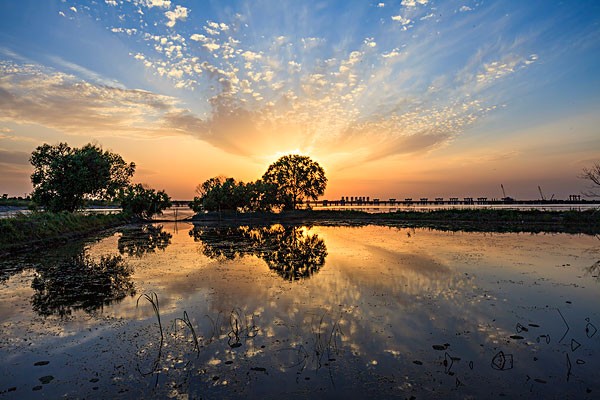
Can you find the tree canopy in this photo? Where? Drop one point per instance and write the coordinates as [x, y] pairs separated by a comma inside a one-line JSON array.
[[64, 177], [226, 194], [143, 202], [296, 178]]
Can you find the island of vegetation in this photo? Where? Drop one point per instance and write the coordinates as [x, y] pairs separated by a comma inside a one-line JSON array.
[[66, 180]]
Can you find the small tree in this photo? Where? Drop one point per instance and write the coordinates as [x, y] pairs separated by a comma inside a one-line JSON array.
[[296, 178], [143, 202], [219, 194], [64, 177], [593, 175]]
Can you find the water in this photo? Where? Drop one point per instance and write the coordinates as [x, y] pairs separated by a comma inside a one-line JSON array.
[[321, 312]]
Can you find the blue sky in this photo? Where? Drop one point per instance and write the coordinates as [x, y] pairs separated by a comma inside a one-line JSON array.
[[410, 97]]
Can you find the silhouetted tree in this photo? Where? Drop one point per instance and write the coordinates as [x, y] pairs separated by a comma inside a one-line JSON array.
[[65, 177], [143, 202], [260, 196], [593, 175], [296, 178], [221, 194]]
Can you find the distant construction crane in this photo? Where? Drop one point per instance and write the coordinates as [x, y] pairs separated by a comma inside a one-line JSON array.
[[544, 197], [506, 199], [541, 194]]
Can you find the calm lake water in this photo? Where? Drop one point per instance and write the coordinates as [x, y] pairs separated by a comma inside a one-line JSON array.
[[298, 312]]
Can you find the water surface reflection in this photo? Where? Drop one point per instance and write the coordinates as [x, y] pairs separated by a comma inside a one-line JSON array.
[[80, 283], [288, 250], [139, 240], [390, 313]]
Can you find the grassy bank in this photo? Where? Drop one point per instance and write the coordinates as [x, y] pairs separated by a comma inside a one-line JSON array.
[[45, 228], [14, 202], [587, 222]]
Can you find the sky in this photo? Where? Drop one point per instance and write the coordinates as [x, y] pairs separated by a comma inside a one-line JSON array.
[[394, 99]]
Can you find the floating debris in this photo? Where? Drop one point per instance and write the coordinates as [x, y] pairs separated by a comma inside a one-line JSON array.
[[40, 363], [46, 379]]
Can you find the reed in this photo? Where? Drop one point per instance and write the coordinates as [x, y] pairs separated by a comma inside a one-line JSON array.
[[186, 321], [153, 299]]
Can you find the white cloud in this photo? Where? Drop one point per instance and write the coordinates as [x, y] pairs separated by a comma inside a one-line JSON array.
[[311, 42], [465, 8], [370, 42], [492, 71], [532, 58], [199, 38], [128, 31], [73, 9], [211, 46], [380, 5], [62, 14], [399, 18], [251, 56], [413, 3], [391, 54], [85, 72], [175, 73], [111, 2], [156, 3], [179, 14]]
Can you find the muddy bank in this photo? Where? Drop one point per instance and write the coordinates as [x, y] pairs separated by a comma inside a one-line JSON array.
[[586, 222]]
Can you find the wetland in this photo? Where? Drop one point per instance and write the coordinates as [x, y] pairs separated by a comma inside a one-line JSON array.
[[193, 310]]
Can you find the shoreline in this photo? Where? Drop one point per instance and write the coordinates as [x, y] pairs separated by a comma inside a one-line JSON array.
[[40, 230], [534, 221]]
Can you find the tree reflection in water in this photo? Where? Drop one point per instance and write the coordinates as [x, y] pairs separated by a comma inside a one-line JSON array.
[[289, 250], [80, 283], [144, 239], [66, 279]]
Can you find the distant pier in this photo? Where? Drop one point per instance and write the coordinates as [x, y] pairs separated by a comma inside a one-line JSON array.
[[441, 201]]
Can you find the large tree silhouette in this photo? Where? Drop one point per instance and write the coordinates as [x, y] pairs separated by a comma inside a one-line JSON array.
[[296, 178]]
